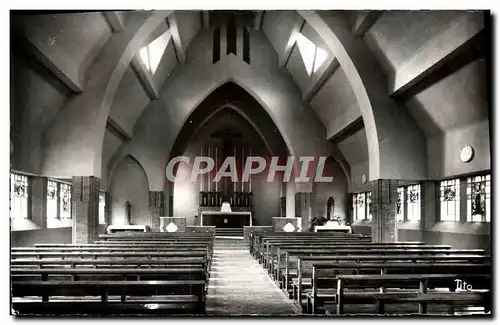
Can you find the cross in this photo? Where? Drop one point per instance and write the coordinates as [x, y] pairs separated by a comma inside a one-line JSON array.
[[226, 135]]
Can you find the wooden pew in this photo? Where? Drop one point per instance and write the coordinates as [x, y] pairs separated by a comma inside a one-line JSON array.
[[326, 273], [256, 242], [291, 254], [283, 249], [79, 274], [114, 297], [167, 262], [263, 249], [423, 297], [301, 259], [256, 238]]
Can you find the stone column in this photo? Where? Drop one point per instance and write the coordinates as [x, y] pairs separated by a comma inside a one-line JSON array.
[[303, 208], [38, 204], [383, 206], [85, 204], [429, 199], [156, 208]]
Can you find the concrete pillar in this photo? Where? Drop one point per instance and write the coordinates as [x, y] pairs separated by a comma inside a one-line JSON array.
[[283, 200], [107, 209], [168, 198], [384, 200], [156, 208], [85, 199], [38, 204], [303, 208]]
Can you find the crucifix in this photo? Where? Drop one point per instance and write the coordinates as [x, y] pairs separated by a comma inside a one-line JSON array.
[[227, 137]]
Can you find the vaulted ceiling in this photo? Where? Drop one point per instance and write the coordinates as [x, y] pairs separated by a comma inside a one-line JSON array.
[[432, 65]]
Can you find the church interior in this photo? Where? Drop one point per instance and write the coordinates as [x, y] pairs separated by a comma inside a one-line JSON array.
[[394, 106]]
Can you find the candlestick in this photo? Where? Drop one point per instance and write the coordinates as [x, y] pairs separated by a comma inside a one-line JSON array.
[[242, 165], [216, 166], [236, 171], [250, 178]]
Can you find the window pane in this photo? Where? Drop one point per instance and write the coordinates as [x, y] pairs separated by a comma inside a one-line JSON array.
[[360, 206], [144, 55], [65, 203], [400, 204], [413, 192], [307, 50], [51, 200], [18, 196], [102, 207], [450, 200], [369, 205], [321, 56], [478, 198], [156, 49]]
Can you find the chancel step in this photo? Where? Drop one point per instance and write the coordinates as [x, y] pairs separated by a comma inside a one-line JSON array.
[[229, 232]]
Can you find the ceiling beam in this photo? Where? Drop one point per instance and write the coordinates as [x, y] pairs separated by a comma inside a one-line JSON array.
[[176, 38], [117, 130], [297, 26], [51, 58], [114, 20], [321, 80], [145, 77], [365, 20], [259, 14], [460, 43], [205, 18], [347, 131]]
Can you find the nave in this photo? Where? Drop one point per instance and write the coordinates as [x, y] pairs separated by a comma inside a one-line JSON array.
[[200, 274]]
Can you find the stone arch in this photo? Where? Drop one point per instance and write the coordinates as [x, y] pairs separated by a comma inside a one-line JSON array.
[[129, 183], [275, 92]]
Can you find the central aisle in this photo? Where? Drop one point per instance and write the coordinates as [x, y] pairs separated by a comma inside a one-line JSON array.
[[239, 286]]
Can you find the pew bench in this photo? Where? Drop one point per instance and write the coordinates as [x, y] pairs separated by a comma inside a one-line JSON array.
[[413, 259], [423, 297], [108, 297], [325, 275]]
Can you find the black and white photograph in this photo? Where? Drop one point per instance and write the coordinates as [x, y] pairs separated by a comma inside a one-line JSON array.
[[244, 163]]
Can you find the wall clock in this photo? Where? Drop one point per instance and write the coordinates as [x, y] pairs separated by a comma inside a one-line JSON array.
[[466, 154], [363, 178]]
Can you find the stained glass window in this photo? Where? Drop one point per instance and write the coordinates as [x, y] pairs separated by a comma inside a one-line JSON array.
[[450, 200], [58, 200], [359, 206], [52, 194], [362, 206], [400, 204], [65, 201], [102, 207], [479, 198], [18, 196], [369, 205], [413, 193]]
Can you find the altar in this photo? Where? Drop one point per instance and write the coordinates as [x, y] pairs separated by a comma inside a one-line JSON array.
[[234, 219]]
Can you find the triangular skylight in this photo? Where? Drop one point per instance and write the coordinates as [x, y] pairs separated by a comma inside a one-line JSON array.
[[312, 56], [152, 53]]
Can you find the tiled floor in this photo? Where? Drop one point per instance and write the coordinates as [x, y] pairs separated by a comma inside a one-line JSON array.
[[239, 286]]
